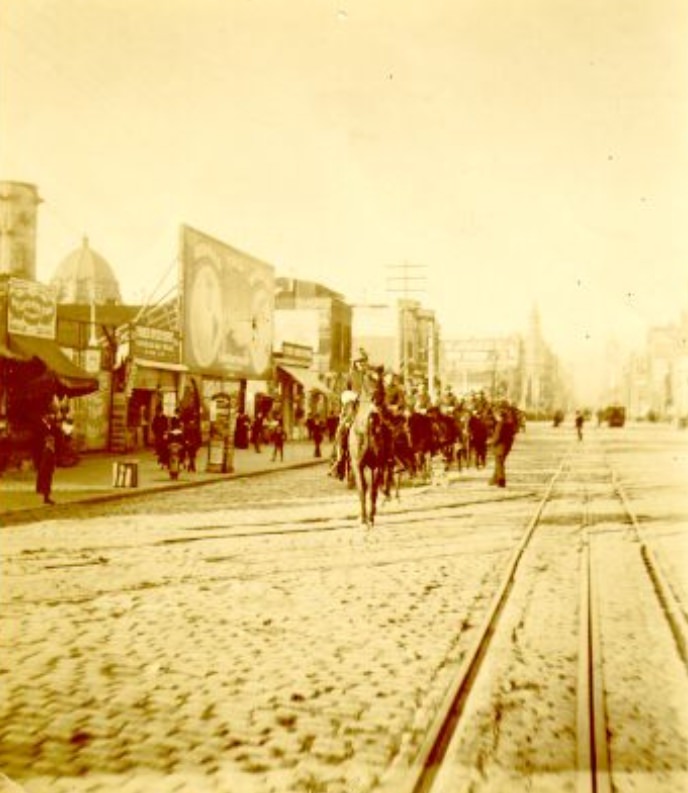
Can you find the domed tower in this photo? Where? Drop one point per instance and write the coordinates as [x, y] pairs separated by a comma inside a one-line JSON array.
[[18, 214], [84, 276]]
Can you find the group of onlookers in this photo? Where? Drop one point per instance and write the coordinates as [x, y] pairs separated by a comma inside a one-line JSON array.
[[182, 428]]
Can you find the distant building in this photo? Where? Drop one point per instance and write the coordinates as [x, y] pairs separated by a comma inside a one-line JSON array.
[[404, 337], [84, 277], [310, 314], [521, 368], [491, 364], [543, 387], [655, 381]]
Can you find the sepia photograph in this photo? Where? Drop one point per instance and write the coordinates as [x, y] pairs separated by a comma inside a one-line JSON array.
[[343, 396]]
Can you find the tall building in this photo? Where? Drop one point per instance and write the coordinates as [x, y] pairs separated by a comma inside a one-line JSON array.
[[404, 337], [18, 222], [312, 315], [542, 388]]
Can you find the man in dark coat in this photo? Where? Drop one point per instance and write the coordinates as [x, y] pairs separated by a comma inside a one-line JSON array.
[[160, 426], [502, 440], [49, 432]]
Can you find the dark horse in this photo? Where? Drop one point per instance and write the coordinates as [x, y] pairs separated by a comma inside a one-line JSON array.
[[368, 449]]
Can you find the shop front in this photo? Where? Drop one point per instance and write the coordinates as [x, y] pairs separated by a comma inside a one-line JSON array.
[[35, 373], [149, 375], [302, 393]]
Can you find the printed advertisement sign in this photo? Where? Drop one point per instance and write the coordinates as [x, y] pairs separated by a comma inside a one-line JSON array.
[[155, 344], [228, 299], [31, 309]]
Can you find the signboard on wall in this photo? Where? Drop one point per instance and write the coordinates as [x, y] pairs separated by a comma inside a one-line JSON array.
[[155, 344], [91, 414], [31, 309], [228, 308]]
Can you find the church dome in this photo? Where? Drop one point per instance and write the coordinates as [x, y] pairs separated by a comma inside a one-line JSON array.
[[84, 276]]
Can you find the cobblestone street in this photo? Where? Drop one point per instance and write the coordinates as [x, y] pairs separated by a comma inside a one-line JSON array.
[[248, 635]]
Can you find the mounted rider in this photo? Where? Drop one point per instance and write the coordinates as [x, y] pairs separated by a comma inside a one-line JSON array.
[[395, 395], [362, 377]]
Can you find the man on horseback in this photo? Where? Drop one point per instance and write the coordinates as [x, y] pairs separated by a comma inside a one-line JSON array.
[[358, 373]]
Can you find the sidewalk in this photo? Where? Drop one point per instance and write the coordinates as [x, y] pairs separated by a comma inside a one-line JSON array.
[[91, 480]]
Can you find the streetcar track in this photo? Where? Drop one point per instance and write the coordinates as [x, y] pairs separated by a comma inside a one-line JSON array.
[[420, 776], [592, 730], [669, 601]]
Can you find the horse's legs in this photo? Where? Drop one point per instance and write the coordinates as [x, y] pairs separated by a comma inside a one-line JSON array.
[[362, 485], [376, 475], [386, 477]]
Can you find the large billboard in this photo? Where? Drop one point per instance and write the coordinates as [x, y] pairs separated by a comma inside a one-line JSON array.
[[228, 307]]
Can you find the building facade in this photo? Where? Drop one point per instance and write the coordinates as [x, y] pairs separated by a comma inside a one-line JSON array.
[[492, 365], [18, 229], [654, 382], [310, 314], [403, 336]]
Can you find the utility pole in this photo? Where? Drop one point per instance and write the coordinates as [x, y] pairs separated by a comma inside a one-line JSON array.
[[408, 281]]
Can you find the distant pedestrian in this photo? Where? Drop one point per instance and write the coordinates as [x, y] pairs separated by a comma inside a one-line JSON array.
[[48, 440], [192, 442], [502, 440], [278, 437], [579, 424], [317, 434], [242, 431], [257, 432], [159, 426]]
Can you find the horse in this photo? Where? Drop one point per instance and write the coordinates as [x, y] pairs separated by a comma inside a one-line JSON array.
[[423, 441], [368, 453], [448, 439], [400, 456]]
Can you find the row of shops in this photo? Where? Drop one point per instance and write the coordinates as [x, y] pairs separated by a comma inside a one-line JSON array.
[[110, 375], [207, 353]]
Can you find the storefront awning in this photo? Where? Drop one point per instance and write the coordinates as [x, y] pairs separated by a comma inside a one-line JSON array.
[[6, 353], [308, 379], [166, 365], [71, 380], [157, 375]]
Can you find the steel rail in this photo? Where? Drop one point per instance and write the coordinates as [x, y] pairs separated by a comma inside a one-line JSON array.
[[591, 723], [668, 599], [593, 747], [419, 775]]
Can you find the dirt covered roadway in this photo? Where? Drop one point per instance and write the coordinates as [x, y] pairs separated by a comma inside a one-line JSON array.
[[250, 636]]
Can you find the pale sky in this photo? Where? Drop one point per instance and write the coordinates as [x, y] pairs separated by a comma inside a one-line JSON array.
[[512, 153]]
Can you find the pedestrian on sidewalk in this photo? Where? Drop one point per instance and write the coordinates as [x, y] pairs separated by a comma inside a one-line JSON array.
[[192, 442], [257, 432], [49, 431], [278, 437], [160, 426], [317, 434]]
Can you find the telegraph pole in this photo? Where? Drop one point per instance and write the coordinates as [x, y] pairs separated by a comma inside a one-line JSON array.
[[409, 280]]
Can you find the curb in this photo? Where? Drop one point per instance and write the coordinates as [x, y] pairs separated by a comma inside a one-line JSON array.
[[33, 514]]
